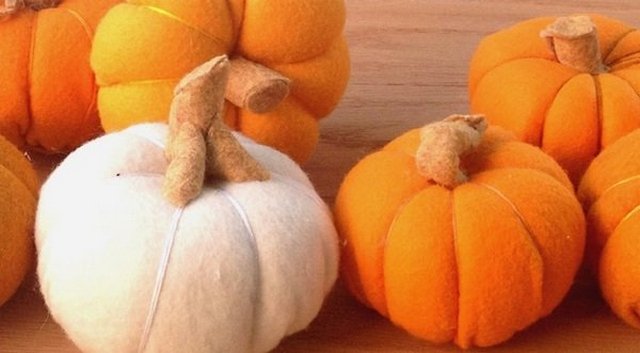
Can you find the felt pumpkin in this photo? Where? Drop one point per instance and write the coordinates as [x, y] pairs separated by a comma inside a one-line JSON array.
[[569, 86], [610, 193], [233, 267], [143, 48], [48, 91], [18, 191], [458, 237]]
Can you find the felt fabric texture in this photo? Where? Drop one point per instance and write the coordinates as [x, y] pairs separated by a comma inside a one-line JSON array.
[[302, 40], [472, 264], [18, 192], [518, 83], [100, 229], [610, 193], [48, 89]]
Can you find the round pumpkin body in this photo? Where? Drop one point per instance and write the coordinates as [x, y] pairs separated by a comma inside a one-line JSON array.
[[250, 262], [472, 264], [610, 193], [301, 39], [517, 81], [18, 191], [48, 91]]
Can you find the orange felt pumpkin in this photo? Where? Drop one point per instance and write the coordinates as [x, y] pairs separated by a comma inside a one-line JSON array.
[[610, 193], [570, 86], [470, 257], [18, 191], [47, 88], [144, 47]]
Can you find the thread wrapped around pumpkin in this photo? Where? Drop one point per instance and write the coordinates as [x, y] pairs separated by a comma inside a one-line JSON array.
[[18, 192], [457, 234], [610, 193], [47, 89], [568, 85], [143, 48], [216, 266]]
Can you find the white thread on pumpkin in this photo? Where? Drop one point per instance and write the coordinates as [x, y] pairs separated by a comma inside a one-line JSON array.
[[160, 278]]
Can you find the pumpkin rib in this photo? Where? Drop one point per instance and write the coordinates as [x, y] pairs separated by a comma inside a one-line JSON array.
[[615, 44], [168, 14], [614, 186], [29, 82], [456, 257], [524, 224], [548, 108], [506, 62], [599, 108], [21, 182]]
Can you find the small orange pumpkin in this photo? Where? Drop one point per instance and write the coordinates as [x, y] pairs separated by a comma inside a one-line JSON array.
[[610, 192], [47, 88], [18, 192], [470, 257], [572, 92]]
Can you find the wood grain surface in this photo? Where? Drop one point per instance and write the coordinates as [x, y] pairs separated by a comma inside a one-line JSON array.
[[409, 66]]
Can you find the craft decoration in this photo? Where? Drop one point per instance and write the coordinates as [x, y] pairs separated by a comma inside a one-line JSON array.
[[47, 89], [18, 192], [567, 84], [289, 59], [460, 233], [610, 193], [233, 267]]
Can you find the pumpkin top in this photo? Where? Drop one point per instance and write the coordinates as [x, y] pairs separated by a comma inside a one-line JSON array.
[[450, 152], [12, 160], [13, 6]]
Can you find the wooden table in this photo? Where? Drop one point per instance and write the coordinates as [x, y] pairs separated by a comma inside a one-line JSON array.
[[409, 67]]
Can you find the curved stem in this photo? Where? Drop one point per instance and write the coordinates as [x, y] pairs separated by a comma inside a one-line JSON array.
[[574, 42], [199, 144], [255, 87], [442, 145]]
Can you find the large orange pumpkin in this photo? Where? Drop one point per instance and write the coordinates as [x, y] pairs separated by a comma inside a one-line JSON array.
[[47, 88], [144, 47], [572, 89], [610, 193], [451, 260], [18, 192]]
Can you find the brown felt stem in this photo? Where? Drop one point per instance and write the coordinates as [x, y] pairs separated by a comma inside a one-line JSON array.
[[255, 87], [574, 42], [442, 145], [199, 144]]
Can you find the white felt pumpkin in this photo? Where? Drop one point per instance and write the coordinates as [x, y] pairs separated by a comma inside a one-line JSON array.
[[247, 263]]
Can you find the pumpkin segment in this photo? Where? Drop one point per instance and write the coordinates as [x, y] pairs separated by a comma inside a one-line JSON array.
[[610, 193], [569, 85], [18, 195], [458, 233], [291, 51], [48, 91]]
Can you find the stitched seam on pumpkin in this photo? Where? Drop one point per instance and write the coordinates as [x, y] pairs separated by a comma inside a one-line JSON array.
[[534, 242], [456, 259], [178, 19], [32, 47], [241, 212], [484, 74], [94, 87], [598, 86], [615, 44], [548, 108]]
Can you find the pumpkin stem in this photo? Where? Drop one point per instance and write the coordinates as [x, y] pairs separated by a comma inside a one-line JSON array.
[[442, 145], [199, 144], [13, 6], [574, 42], [255, 87]]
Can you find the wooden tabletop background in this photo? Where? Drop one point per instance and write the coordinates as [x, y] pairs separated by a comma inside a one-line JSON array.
[[409, 66]]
